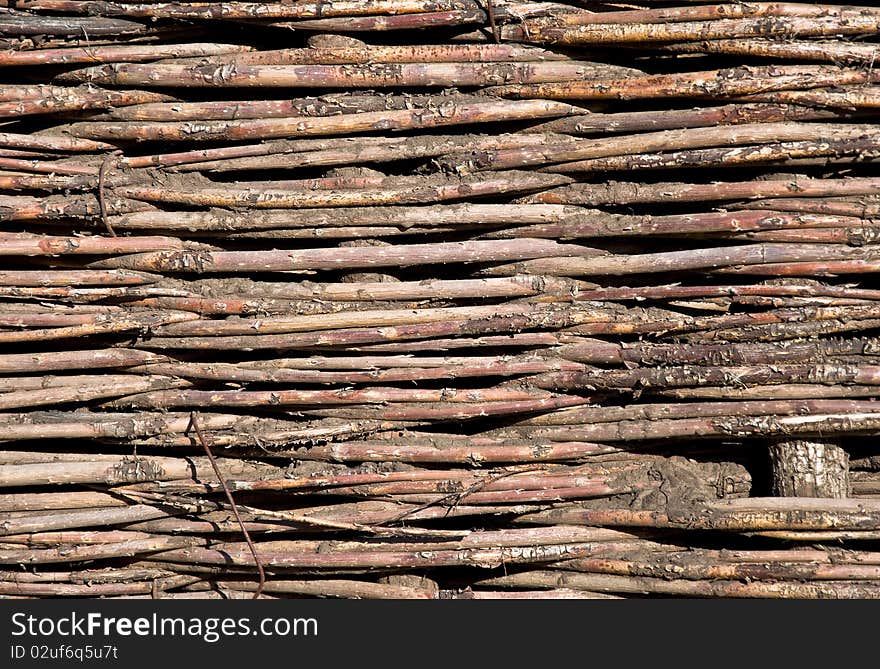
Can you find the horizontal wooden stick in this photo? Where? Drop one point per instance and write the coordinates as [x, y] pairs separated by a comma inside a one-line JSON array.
[[24, 153], [22, 363], [136, 573], [21, 24], [55, 99], [348, 102], [97, 589], [354, 51], [61, 207], [704, 12], [112, 469], [345, 257], [467, 484], [134, 322], [369, 75], [484, 557], [858, 236], [592, 351], [326, 587], [631, 193], [687, 375], [362, 179], [677, 291], [576, 320], [736, 258], [590, 416], [52, 142], [125, 549], [714, 427], [605, 541], [711, 568], [643, 585], [593, 223], [493, 111], [442, 343], [644, 354], [37, 501], [361, 151], [735, 515], [402, 217], [555, 593], [808, 268], [352, 338], [549, 291], [380, 23], [12, 244], [573, 32], [86, 277], [321, 150], [51, 167], [50, 182], [582, 489], [82, 519], [355, 319], [169, 399], [671, 119], [85, 389], [787, 391], [36, 425], [229, 372], [866, 206], [851, 98], [769, 332], [117, 53], [483, 184], [245, 10], [445, 412], [775, 153], [717, 84], [464, 451], [362, 516], [672, 140], [342, 233]]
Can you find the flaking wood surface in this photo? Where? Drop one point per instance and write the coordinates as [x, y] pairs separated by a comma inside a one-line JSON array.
[[439, 299]]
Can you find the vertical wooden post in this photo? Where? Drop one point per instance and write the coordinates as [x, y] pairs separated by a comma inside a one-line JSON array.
[[809, 468]]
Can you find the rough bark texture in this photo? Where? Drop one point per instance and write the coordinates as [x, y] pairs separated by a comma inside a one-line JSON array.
[[505, 300], [809, 468]]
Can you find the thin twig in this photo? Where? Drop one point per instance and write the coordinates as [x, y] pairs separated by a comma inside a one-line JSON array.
[[193, 421], [457, 496]]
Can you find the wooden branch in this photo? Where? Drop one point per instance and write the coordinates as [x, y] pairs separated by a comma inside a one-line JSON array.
[[494, 111], [643, 585], [716, 84], [245, 10], [349, 257], [354, 51], [371, 75], [672, 119], [570, 30], [809, 468], [117, 53], [812, 50], [631, 193], [372, 24]]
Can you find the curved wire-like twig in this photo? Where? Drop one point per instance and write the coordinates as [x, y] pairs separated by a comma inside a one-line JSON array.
[[193, 421]]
